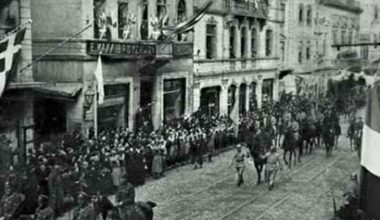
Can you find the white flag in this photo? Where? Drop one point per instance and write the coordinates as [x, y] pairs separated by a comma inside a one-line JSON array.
[[99, 79]]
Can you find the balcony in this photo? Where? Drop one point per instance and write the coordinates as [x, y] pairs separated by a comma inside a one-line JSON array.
[[247, 8], [204, 67], [114, 49]]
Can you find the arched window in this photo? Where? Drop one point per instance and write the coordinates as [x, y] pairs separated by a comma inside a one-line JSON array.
[[232, 42], [300, 52], [268, 43], [309, 16], [181, 11], [161, 8], [243, 42], [242, 98], [252, 97], [144, 23], [254, 43], [300, 14], [231, 98]]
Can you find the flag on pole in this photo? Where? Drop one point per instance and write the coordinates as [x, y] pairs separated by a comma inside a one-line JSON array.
[[99, 80], [10, 50], [370, 156], [189, 24]]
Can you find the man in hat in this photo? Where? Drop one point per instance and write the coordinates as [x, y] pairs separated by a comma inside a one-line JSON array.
[[10, 202], [84, 211], [43, 211], [125, 200], [272, 166], [239, 162]]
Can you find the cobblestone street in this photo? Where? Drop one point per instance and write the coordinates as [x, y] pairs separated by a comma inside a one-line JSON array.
[[303, 192]]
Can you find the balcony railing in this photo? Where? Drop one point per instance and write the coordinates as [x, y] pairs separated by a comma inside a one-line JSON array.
[[220, 66], [247, 8]]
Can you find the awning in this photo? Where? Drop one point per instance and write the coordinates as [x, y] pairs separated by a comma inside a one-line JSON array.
[[59, 90], [66, 91]]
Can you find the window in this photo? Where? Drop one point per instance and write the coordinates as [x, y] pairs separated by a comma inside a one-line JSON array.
[[243, 43], [350, 37], [343, 40], [210, 100], [242, 98], [308, 52], [122, 19], [161, 8], [210, 41], [309, 16], [282, 50], [335, 37], [181, 17], [267, 90], [174, 99], [300, 50], [282, 16], [254, 43], [376, 13], [181, 12], [144, 23], [232, 42], [300, 14], [268, 43], [364, 52]]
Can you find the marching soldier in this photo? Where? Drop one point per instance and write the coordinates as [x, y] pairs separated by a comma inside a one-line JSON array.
[[10, 202], [272, 166], [239, 162]]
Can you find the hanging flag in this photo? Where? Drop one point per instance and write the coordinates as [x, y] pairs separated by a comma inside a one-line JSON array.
[[370, 152], [234, 115], [189, 24], [10, 50], [99, 79]]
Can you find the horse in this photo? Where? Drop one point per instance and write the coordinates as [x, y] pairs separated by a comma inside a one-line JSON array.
[[137, 211], [328, 138], [289, 146], [256, 147]]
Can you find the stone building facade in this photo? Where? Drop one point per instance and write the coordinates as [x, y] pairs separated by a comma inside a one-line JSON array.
[[145, 79], [317, 33], [370, 29], [236, 56]]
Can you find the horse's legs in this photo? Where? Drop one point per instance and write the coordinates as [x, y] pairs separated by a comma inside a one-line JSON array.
[[300, 148], [284, 157], [258, 170]]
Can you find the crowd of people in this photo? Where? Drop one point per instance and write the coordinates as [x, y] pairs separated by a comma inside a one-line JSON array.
[[57, 172]]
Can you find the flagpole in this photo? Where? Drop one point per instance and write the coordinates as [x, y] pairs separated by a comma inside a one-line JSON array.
[[96, 112], [54, 48]]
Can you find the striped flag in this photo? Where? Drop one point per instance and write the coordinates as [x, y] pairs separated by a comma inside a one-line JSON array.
[[99, 79], [370, 156], [10, 50], [234, 115], [189, 24]]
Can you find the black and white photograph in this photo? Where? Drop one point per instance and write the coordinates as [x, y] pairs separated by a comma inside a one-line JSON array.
[[190, 109]]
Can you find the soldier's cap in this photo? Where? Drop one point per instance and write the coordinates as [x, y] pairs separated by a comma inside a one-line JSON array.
[[82, 195], [43, 196], [238, 146], [7, 184]]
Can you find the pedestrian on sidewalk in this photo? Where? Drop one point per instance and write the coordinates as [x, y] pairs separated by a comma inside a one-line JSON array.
[[239, 162]]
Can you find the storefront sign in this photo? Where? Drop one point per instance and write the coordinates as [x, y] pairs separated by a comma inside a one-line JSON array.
[[184, 49], [121, 48]]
